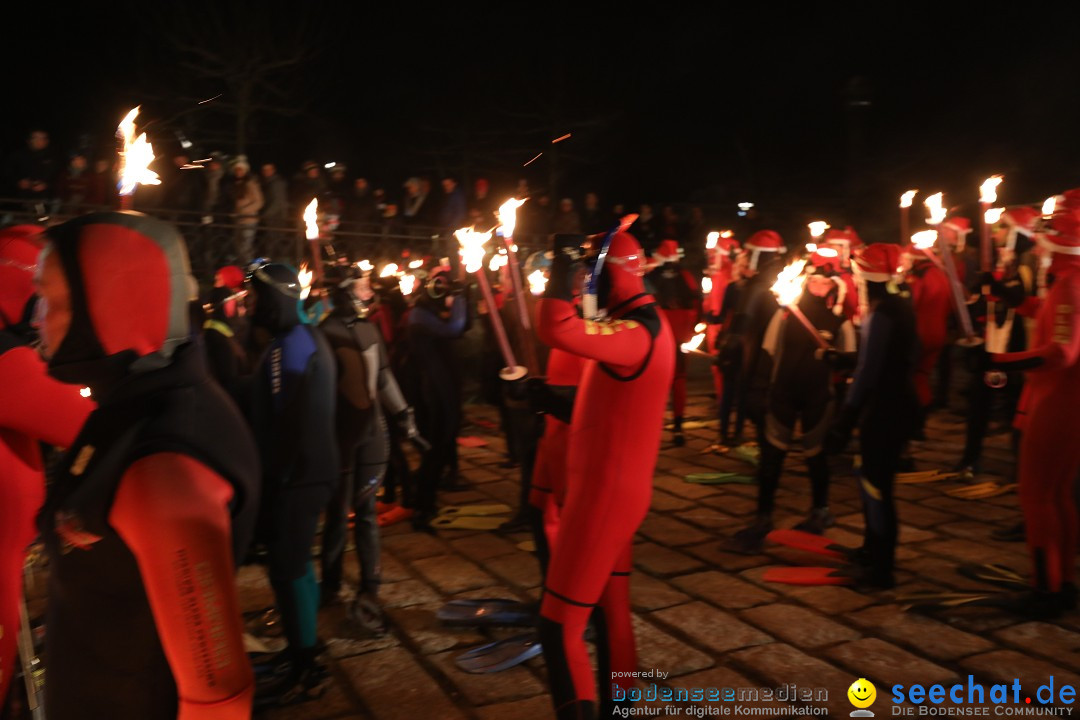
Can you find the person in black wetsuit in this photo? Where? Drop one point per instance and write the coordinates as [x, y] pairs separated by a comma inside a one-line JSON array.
[[365, 385], [431, 332], [800, 391], [883, 402], [223, 343], [293, 403], [156, 496], [755, 310]]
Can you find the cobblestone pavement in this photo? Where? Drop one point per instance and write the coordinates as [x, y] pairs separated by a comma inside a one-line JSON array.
[[703, 615]]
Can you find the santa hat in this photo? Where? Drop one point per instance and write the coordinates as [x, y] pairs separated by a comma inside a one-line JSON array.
[[846, 240], [229, 276], [961, 226], [764, 241], [825, 261], [879, 262], [668, 252], [1020, 221], [1064, 237]]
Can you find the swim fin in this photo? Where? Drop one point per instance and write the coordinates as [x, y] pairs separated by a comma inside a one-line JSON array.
[[980, 491], [809, 542], [502, 655], [466, 522], [719, 478], [995, 574], [807, 576], [473, 612], [748, 452], [923, 476], [475, 510]]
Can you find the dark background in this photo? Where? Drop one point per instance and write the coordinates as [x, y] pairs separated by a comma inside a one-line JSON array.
[[827, 112]]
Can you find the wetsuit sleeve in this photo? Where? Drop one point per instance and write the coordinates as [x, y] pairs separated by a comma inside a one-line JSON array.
[[846, 341], [621, 342], [772, 333], [172, 512], [389, 392], [871, 359], [427, 321], [1062, 351], [34, 404]]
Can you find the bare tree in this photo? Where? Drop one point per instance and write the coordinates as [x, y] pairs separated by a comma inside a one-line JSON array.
[[246, 61]]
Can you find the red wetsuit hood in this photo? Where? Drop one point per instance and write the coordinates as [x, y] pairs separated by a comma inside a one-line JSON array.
[[130, 286]]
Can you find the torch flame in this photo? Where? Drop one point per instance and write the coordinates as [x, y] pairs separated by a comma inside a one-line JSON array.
[[498, 260], [508, 216], [389, 270], [304, 276], [365, 265], [811, 247], [993, 215], [706, 285], [700, 327], [537, 282], [818, 228], [85, 392], [1049, 205], [727, 234], [924, 240], [694, 343], [907, 197], [136, 156], [416, 264], [472, 248], [988, 190], [407, 283], [789, 283], [311, 219], [711, 239], [937, 211]]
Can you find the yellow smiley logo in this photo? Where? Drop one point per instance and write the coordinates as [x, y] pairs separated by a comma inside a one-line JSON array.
[[862, 693]]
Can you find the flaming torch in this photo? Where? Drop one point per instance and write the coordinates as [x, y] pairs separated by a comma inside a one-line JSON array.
[[407, 283], [924, 241], [817, 229], [1048, 206], [311, 232], [788, 289], [135, 160], [508, 222], [472, 259], [304, 275], [937, 216], [987, 197], [905, 208], [693, 345], [537, 282]]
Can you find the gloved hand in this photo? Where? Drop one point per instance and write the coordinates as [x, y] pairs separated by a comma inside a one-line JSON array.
[[839, 434], [537, 389], [406, 422], [560, 285]]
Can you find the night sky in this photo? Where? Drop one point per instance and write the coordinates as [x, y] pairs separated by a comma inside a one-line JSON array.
[[830, 112]]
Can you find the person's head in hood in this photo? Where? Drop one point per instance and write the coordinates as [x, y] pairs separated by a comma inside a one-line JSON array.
[[115, 289], [276, 291]]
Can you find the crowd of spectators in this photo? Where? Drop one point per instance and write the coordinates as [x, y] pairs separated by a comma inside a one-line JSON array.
[[229, 190]]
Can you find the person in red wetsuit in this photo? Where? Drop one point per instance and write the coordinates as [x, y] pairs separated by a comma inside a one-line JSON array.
[[155, 497], [611, 455], [679, 298], [33, 408], [1049, 454], [931, 299], [720, 272], [847, 244]]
